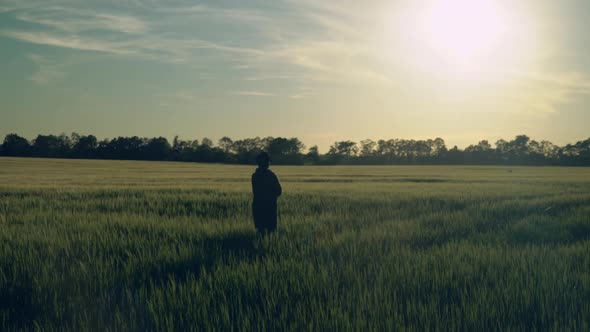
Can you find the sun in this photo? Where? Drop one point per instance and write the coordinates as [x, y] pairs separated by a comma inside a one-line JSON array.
[[462, 30]]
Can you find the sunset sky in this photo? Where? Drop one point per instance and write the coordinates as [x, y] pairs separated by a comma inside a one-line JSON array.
[[463, 70]]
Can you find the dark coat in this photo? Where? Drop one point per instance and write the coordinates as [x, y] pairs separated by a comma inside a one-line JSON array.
[[266, 189]]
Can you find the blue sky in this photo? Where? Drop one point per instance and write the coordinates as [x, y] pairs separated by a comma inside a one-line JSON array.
[[318, 70]]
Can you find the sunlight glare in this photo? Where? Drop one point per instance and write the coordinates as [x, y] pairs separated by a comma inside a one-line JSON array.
[[462, 30]]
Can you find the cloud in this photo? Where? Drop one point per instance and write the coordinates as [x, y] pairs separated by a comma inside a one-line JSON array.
[[254, 93], [86, 29], [299, 42], [156, 37], [303, 92], [298, 96], [146, 47], [76, 21], [269, 77], [46, 70], [225, 14], [560, 89], [545, 92], [71, 42], [180, 97], [332, 61], [572, 82]]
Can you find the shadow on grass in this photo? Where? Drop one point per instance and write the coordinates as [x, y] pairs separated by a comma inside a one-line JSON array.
[[211, 251], [561, 223], [232, 242], [540, 231], [17, 309]]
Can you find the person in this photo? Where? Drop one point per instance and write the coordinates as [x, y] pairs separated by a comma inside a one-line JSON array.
[[266, 190]]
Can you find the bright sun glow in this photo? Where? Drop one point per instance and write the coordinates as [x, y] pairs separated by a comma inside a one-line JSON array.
[[462, 30], [461, 47]]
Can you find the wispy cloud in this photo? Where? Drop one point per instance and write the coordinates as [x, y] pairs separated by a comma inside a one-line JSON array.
[[254, 93], [146, 47], [46, 70], [299, 42], [298, 96], [71, 42], [303, 92], [129, 35], [76, 21], [543, 93], [572, 82], [182, 96], [179, 99], [319, 57], [230, 14], [270, 77]]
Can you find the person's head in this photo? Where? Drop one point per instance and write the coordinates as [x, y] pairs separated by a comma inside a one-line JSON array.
[[263, 160]]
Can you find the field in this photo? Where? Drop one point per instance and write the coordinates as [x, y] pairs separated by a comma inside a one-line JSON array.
[[122, 245]]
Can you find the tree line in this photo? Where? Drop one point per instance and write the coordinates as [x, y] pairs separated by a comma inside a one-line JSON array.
[[522, 150]]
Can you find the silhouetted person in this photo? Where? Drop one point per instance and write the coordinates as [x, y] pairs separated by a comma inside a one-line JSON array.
[[266, 189]]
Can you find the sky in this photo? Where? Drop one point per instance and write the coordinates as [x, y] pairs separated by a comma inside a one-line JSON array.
[[323, 71]]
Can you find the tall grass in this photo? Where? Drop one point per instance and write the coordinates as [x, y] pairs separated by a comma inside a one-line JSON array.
[[110, 245]]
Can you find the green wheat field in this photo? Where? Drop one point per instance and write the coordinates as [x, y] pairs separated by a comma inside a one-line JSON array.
[[156, 246]]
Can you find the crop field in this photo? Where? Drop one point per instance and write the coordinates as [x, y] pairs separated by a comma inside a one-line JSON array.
[[127, 245]]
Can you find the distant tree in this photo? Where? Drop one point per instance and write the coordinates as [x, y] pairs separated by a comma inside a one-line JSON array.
[[516, 150], [207, 142], [65, 145], [285, 151], [367, 148], [15, 146], [549, 150], [84, 146], [577, 154], [157, 149], [421, 149], [439, 148], [313, 155], [584, 152], [406, 149], [182, 150], [484, 146], [125, 148], [455, 156], [344, 148], [51, 146], [247, 149], [386, 150], [502, 150], [342, 152], [265, 142], [522, 150], [225, 144], [520, 143], [482, 153]]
